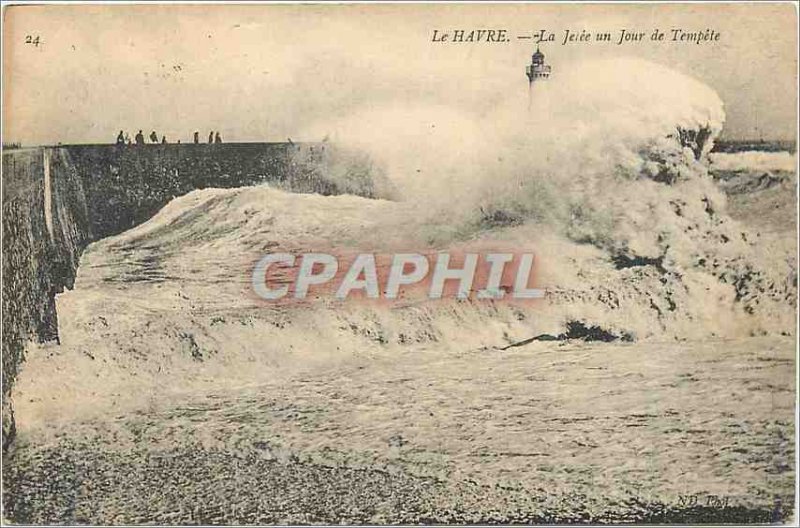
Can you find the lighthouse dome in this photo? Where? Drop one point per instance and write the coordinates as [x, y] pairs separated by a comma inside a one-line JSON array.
[[538, 57]]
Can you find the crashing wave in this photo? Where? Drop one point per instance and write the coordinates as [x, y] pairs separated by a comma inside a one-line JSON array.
[[606, 179]]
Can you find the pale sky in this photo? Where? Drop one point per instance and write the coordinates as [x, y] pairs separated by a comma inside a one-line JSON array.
[[267, 72]]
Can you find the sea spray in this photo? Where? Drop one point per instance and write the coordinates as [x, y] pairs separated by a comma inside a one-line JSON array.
[[611, 154]]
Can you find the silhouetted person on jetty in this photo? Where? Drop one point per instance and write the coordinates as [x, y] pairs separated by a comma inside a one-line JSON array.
[[154, 136], [121, 138], [196, 138], [217, 139], [140, 138], [127, 139], [211, 137]]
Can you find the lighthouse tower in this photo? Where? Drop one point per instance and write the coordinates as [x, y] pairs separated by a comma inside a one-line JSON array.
[[537, 70]]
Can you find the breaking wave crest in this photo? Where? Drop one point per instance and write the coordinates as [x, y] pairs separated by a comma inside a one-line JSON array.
[[605, 170]]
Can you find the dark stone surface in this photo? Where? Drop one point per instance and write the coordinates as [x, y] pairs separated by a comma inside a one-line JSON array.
[[39, 260], [79, 484], [126, 185]]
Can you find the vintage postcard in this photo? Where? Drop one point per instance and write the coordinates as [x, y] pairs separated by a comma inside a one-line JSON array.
[[399, 263]]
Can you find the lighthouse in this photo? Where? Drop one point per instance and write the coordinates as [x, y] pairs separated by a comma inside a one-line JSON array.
[[537, 70]]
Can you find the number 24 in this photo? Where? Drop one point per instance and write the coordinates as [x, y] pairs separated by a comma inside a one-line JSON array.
[[30, 39]]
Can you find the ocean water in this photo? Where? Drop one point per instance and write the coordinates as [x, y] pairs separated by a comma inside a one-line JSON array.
[[169, 364]]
